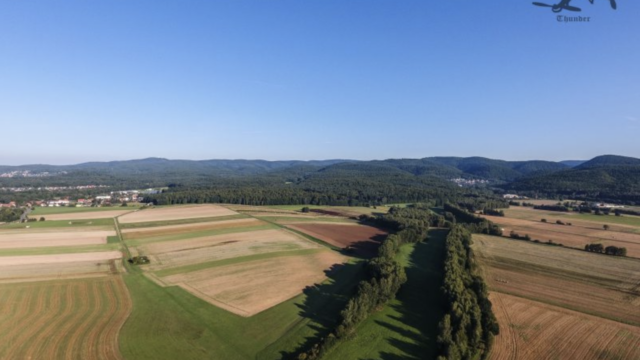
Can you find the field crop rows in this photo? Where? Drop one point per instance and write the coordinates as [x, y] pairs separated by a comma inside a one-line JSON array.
[[553, 302], [580, 233], [67, 319], [531, 330], [61, 294], [243, 265]]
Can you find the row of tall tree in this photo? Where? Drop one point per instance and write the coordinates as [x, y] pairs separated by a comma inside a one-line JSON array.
[[471, 222], [469, 325], [385, 276]]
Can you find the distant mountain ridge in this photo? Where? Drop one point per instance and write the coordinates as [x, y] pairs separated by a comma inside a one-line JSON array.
[[443, 167], [608, 177]]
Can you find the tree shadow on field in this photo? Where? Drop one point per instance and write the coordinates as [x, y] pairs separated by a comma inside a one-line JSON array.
[[419, 304], [365, 249], [323, 302]]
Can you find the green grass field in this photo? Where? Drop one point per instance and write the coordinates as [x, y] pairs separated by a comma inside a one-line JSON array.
[[42, 211], [169, 323], [408, 326]]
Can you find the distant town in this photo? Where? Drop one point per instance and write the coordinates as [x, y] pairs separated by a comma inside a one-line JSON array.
[[108, 199], [27, 173]]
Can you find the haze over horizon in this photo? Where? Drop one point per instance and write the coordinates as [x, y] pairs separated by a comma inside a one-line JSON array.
[[361, 80], [292, 159]]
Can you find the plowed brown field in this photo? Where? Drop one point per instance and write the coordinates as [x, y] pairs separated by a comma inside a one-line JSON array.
[[531, 330], [363, 239], [68, 319], [250, 287], [175, 213]]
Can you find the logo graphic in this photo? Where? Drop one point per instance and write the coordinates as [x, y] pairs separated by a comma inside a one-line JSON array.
[[565, 5]]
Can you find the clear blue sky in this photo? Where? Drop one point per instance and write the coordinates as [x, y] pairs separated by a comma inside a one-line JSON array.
[[316, 79]]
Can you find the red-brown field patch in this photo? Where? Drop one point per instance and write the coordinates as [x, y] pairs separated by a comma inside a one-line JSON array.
[[248, 288], [531, 330], [175, 213], [364, 240], [26, 238], [66, 319]]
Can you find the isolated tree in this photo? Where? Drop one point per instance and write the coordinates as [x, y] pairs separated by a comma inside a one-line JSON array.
[[305, 209], [544, 220], [42, 218], [605, 226]]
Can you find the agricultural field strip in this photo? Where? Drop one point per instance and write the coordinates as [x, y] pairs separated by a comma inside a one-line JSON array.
[[595, 284], [27, 239], [625, 222], [175, 213], [82, 215], [598, 232], [64, 319], [150, 224], [251, 287], [138, 233], [198, 234], [59, 258], [219, 247], [567, 261], [532, 330]]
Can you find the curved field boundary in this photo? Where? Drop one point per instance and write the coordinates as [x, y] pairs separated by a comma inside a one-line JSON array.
[[67, 319]]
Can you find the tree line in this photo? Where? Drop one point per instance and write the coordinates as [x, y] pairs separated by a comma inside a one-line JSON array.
[[385, 275], [469, 325], [609, 250], [471, 222]]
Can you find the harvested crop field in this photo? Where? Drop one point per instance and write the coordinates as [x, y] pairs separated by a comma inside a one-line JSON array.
[[70, 319], [531, 330], [212, 248], [573, 236], [83, 215], [175, 213], [29, 239], [143, 233], [364, 240], [601, 285], [39, 267], [622, 224], [250, 287]]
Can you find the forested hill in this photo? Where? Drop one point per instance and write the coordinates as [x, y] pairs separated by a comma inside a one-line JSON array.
[[605, 178], [148, 170], [608, 177]]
